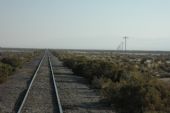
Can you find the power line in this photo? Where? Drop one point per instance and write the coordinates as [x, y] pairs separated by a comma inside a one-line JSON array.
[[120, 47]]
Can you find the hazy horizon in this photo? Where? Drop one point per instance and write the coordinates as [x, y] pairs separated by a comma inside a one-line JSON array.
[[85, 24]]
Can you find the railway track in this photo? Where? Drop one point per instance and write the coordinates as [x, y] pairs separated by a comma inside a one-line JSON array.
[[42, 94]]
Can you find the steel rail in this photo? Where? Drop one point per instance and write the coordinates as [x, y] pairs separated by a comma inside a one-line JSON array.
[[55, 86], [28, 90]]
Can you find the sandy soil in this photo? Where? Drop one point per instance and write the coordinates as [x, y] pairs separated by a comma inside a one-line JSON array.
[[166, 80]]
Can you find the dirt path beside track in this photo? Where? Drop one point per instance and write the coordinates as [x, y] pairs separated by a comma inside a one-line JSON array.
[[74, 92], [13, 90]]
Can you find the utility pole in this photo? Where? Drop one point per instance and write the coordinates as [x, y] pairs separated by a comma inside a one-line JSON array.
[[125, 37], [122, 46]]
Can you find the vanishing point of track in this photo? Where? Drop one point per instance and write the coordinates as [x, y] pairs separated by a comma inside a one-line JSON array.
[[35, 97]]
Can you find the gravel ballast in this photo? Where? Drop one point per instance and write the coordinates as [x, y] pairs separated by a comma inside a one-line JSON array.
[[41, 98]]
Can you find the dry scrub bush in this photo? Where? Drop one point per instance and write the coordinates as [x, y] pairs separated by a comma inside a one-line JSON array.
[[9, 62], [138, 95], [5, 71], [122, 85]]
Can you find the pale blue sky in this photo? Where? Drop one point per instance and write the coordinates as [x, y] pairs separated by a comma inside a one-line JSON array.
[[85, 24]]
